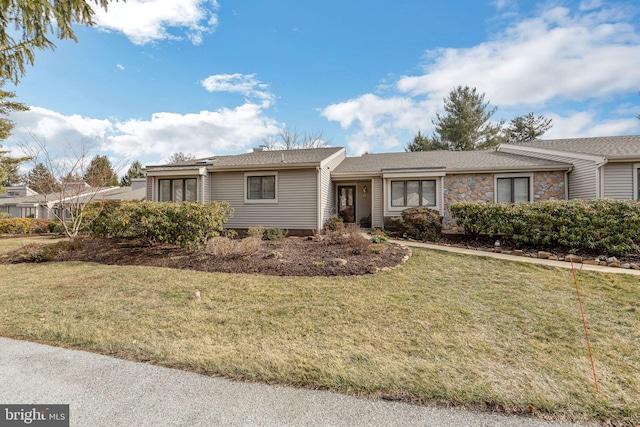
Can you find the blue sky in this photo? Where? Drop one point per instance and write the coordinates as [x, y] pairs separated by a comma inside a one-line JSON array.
[[155, 77]]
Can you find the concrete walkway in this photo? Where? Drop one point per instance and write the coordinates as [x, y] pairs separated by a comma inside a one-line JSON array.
[[551, 263], [103, 391]]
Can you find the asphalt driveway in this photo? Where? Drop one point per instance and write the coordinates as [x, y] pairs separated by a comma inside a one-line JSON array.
[[104, 391]]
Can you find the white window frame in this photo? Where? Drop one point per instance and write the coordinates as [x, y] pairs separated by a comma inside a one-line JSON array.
[[247, 175], [636, 190], [184, 187], [419, 180], [532, 196]]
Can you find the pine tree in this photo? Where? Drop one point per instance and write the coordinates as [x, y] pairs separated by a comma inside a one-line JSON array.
[[135, 171], [425, 143], [8, 165], [100, 173], [41, 180], [25, 25], [527, 128], [467, 123]]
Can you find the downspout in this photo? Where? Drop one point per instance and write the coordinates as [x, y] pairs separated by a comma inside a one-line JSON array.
[[599, 178], [566, 183], [319, 198]]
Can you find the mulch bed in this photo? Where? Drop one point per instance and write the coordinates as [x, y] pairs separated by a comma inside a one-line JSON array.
[[291, 256]]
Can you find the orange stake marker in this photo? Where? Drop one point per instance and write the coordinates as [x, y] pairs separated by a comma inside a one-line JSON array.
[[584, 323]]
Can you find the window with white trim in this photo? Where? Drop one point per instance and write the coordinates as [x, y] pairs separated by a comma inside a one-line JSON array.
[[261, 187], [178, 190], [412, 193], [28, 212], [513, 189]]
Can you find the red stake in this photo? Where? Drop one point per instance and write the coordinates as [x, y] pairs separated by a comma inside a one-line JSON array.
[[584, 323]]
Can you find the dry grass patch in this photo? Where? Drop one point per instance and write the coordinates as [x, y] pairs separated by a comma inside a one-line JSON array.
[[225, 247], [8, 244], [443, 328]]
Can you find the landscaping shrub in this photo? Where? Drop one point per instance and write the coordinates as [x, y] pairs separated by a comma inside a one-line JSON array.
[[418, 223], [334, 224], [15, 226], [256, 232], [377, 248], [39, 225], [188, 225], [379, 236], [607, 226], [274, 233], [225, 247]]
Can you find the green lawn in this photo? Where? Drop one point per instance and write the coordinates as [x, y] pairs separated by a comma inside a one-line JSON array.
[[443, 328]]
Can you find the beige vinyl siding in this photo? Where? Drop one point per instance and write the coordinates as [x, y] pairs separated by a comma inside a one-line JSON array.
[[618, 181], [327, 196], [377, 214], [582, 179], [15, 212], [296, 208], [207, 187]]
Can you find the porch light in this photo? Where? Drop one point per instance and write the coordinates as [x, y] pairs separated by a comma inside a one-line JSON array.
[[364, 190]]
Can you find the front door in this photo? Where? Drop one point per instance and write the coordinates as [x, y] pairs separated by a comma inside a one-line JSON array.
[[347, 203]]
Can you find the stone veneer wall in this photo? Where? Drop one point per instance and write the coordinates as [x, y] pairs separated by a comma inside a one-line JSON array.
[[465, 188], [474, 187], [548, 185]]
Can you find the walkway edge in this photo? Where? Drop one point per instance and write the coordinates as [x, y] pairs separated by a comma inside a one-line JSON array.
[[496, 255]]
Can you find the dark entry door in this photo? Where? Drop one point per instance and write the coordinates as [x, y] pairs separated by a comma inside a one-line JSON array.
[[347, 203]]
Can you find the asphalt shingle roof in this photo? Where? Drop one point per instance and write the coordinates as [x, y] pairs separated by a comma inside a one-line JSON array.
[[607, 146], [449, 160], [264, 158]]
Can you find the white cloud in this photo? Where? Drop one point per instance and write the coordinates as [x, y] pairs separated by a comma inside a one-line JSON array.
[[585, 124], [553, 56], [244, 84], [56, 126], [226, 130], [553, 59], [120, 66], [381, 121], [201, 134], [145, 21]]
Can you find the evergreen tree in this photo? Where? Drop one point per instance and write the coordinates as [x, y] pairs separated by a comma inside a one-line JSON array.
[[41, 180], [100, 173], [25, 24], [181, 158], [527, 128], [8, 165], [466, 124], [425, 143], [135, 171]]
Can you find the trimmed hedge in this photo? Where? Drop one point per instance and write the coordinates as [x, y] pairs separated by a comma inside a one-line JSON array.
[[15, 226], [606, 226], [418, 223], [188, 225]]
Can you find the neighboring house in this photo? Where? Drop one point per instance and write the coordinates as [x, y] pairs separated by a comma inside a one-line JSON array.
[[290, 189], [16, 202], [23, 202], [299, 190], [603, 167]]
